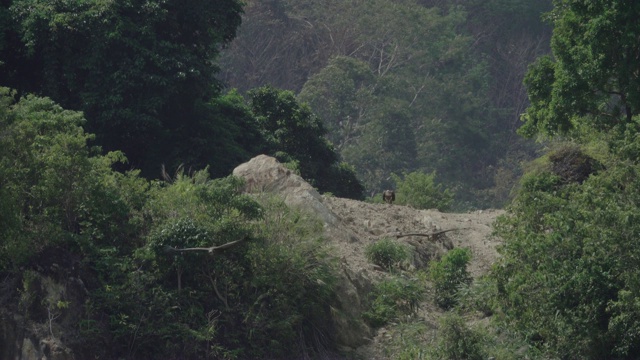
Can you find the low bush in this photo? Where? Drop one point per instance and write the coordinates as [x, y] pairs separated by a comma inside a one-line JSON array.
[[387, 253], [448, 275], [458, 341], [421, 191], [392, 299]]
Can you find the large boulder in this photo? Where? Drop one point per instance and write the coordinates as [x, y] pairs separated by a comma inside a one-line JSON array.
[[265, 174]]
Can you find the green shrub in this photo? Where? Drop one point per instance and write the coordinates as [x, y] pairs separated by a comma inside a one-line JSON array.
[[420, 190], [409, 341], [291, 284], [448, 275], [268, 297], [392, 299], [456, 341], [387, 253], [479, 296]]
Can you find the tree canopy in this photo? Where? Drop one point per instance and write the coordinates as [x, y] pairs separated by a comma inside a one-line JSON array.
[[593, 78], [403, 86], [565, 280], [295, 135], [63, 204], [137, 69], [143, 73]]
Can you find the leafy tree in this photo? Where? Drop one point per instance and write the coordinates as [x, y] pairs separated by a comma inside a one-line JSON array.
[[267, 296], [223, 135], [371, 130], [273, 47], [453, 69], [202, 292], [341, 180], [9, 219], [58, 191], [422, 192], [295, 135], [291, 129], [592, 79], [394, 101], [137, 69], [564, 273], [386, 145], [564, 278], [341, 94], [179, 233]]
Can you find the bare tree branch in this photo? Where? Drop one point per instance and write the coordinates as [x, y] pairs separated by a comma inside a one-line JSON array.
[[211, 250], [433, 234]]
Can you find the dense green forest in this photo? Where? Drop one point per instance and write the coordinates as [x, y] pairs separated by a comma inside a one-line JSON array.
[[144, 76], [407, 87], [404, 86], [120, 122]]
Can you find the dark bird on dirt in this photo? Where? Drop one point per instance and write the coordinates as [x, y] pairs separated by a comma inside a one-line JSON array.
[[389, 196], [211, 250]]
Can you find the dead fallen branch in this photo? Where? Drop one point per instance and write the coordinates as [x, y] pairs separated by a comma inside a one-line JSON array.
[[432, 235]]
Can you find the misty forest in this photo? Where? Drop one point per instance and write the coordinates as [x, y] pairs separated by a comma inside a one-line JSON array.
[[121, 122]]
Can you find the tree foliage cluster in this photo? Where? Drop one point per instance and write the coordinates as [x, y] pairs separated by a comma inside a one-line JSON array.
[[267, 296], [422, 192], [567, 280], [403, 86], [398, 88], [143, 73], [566, 277]]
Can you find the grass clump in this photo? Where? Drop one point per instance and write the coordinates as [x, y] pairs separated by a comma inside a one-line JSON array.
[[449, 275], [394, 299], [456, 340], [387, 253]]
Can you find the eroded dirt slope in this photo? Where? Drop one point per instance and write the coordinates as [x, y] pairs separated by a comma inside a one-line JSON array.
[[367, 223], [360, 224]]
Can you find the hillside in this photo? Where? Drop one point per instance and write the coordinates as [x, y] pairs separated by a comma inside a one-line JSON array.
[[367, 223], [32, 328], [351, 225]]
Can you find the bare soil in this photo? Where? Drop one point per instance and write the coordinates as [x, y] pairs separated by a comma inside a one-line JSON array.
[[360, 224]]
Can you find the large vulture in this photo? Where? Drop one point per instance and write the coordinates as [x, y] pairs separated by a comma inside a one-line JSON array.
[[389, 196]]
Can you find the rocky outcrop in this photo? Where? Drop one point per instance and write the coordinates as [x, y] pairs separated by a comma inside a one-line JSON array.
[[38, 335], [265, 174]]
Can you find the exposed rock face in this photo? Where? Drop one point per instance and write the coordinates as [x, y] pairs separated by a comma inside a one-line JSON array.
[[33, 339], [265, 174]]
